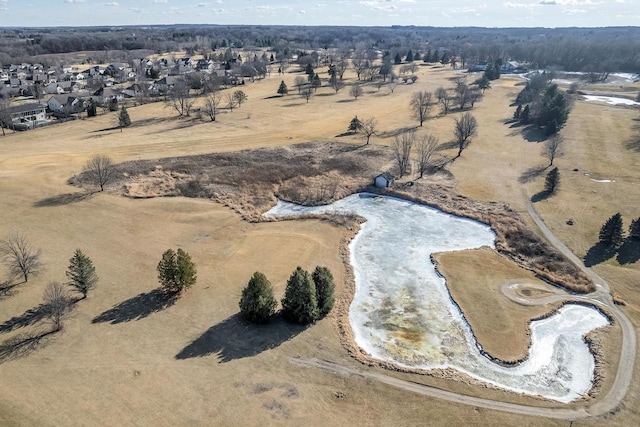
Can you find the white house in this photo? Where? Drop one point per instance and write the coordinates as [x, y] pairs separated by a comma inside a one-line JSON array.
[[28, 114], [65, 104], [383, 180]]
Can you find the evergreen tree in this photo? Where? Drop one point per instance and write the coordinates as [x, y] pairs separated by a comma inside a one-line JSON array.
[[258, 304], [325, 287], [427, 57], [611, 231], [555, 110], [81, 273], [525, 115], [416, 57], [176, 271], [484, 83], [634, 229], [299, 303], [409, 57], [283, 90], [355, 125], [552, 181], [316, 82], [123, 118], [516, 114], [309, 69], [435, 57], [92, 109], [272, 58], [398, 59]]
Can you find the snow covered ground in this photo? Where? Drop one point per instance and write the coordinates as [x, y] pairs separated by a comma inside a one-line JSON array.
[[612, 100], [402, 311]]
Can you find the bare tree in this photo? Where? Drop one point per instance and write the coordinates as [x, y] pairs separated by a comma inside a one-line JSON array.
[[474, 96], [368, 128], [307, 94], [553, 147], [336, 84], [57, 304], [180, 99], [359, 65], [299, 82], [19, 256], [421, 104], [465, 129], [211, 105], [463, 93], [402, 145], [231, 101], [355, 91], [240, 97], [100, 169], [444, 97], [5, 116], [426, 147]]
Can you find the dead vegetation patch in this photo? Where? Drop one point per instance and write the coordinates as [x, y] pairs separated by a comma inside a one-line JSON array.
[[315, 173]]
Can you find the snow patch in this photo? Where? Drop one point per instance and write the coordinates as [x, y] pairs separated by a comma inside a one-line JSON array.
[[611, 100], [402, 311]]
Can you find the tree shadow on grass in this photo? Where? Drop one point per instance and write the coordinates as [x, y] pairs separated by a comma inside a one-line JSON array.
[[23, 345], [138, 307], [396, 132], [599, 253], [531, 174], [29, 317], [533, 134], [234, 338], [449, 145], [629, 252], [540, 196], [633, 144], [62, 199]]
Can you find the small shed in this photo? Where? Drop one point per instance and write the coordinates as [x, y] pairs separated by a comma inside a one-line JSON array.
[[383, 180]]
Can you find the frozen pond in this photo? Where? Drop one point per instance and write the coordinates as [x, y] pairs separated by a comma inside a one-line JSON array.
[[402, 311]]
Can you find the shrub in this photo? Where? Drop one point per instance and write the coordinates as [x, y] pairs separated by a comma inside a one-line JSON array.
[[299, 303], [258, 304]]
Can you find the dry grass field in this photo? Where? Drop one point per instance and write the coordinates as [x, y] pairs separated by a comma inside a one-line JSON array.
[[125, 359]]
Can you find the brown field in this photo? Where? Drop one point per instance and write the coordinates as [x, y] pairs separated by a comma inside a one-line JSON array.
[[194, 363]]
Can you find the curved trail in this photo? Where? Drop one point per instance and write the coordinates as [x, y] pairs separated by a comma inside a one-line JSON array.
[[600, 298]]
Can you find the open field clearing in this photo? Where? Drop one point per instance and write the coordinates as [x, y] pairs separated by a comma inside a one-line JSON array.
[[194, 362]]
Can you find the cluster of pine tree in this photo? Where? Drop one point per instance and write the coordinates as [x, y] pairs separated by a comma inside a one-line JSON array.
[[307, 298], [612, 233], [544, 105]]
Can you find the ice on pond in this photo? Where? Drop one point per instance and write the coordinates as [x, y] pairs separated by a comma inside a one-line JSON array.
[[402, 311]]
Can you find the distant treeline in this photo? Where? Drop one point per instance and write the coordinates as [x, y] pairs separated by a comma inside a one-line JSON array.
[[570, 49]]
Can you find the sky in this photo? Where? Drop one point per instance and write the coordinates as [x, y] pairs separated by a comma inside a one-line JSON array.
[[443, 13]]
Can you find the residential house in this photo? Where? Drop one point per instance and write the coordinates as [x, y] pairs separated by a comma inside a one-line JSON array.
[[27, 116], [106, 94], [65, 104], [165, 84]]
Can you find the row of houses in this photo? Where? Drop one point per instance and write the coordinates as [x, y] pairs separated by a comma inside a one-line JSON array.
[[509, 67]]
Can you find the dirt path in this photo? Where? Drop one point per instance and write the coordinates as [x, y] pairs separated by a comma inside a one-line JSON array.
[[600, 298]]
